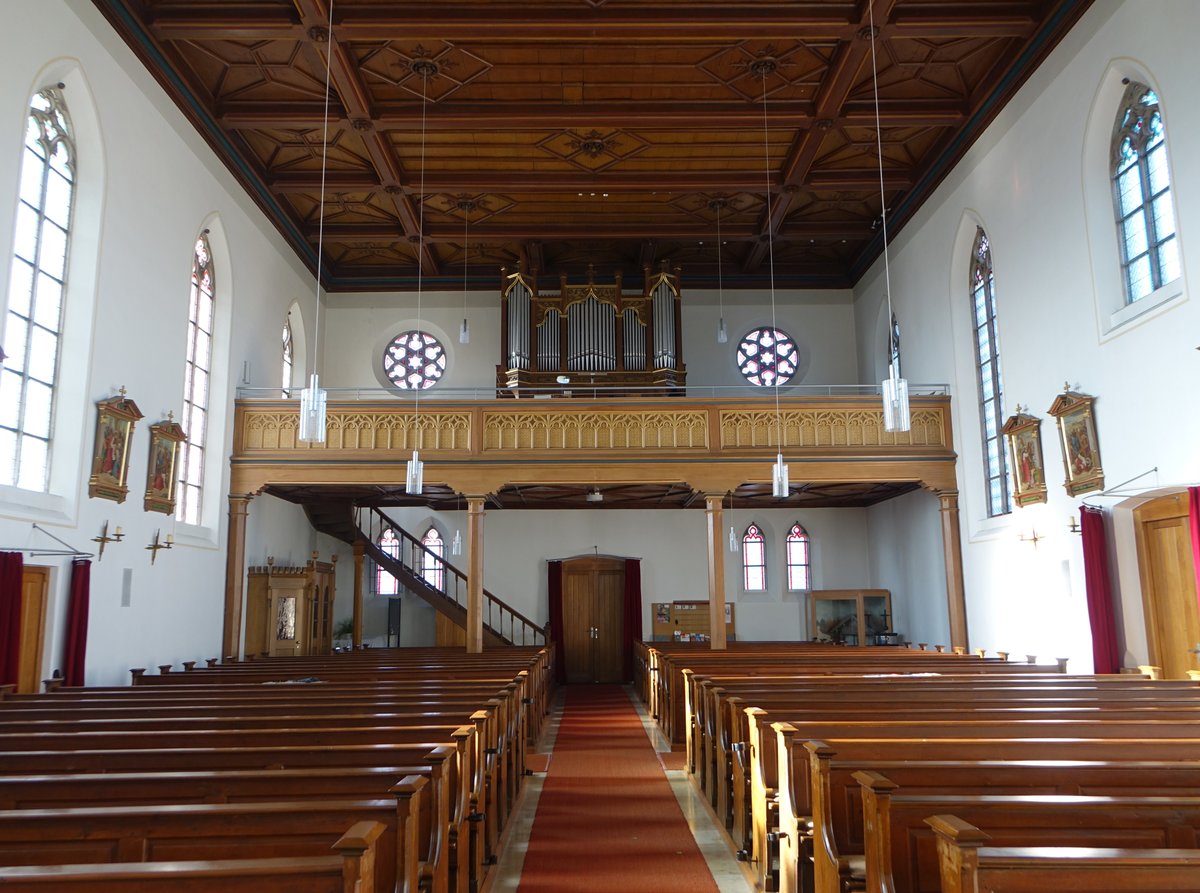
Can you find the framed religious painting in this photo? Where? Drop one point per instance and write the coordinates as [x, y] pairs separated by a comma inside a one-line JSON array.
[[1080, 446], [165, 438], [1024, 434], [115, 419]]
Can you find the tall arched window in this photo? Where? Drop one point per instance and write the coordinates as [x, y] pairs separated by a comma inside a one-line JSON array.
[[1142, 195], [33, 324], [987, 363], [799, 564], [288, 354], [195, 383], [385, 583], [432, 567], [754, 560]]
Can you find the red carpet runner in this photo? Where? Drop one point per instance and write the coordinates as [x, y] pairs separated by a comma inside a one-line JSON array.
[[607, 820]]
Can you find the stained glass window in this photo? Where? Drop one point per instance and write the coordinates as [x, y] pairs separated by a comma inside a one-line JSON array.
[[432, 567], [37, 287], [987, 364], [754, 560], [197, 368], [767, 357], [288, 348], [414, 361], [799, 565], [385, 583], [1142, 195]]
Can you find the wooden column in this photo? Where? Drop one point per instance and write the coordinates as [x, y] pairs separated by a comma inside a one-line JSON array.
[[716, 570], [956, 600], [356, 633], [475, 515], [235, 577]]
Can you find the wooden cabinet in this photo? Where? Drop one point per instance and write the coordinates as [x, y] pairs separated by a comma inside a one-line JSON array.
[[289, 610], [849, 616]]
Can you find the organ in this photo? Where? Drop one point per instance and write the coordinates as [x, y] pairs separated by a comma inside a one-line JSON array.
[[606, 342]]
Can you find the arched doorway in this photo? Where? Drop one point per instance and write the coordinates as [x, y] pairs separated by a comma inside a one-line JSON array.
[[1168, 584]]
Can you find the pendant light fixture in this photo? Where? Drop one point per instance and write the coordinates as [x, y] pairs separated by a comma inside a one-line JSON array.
[[718, 205], [414, 478], [466, 206], [894, 389], [779, 471], [733, 546], [456, 543], [313, 398]]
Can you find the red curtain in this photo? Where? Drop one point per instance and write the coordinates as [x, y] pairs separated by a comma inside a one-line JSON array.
[[12, 566], [633, 612], [75, 648], [554, 578], [1105, 656], [1194, 518]]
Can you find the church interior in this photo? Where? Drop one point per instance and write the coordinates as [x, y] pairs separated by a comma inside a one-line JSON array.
[[550, 333]]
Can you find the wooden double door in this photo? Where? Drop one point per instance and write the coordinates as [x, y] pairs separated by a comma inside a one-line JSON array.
[[1168, 584], [593, 613]]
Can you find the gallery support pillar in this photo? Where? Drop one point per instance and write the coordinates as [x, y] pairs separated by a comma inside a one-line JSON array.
[[956, 601], [235, 577], [716, 571], [475, 516], [356, 632]]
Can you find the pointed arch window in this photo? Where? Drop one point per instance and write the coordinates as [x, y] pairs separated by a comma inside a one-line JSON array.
[[1141, 180], [197, 368], [754, 560], [987, 365], [37, 288], [385, 583], [433, 569], [288, 354], [799, 564]]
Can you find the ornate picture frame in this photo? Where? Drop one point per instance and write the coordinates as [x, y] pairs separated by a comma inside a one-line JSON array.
[[115, 420], [1024, 434], [161, 473], [1080, 446]]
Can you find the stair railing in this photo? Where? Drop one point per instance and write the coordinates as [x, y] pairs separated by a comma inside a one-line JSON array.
[[441, 581]]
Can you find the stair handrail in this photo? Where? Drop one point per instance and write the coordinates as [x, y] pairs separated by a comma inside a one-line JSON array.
[[496, 611]]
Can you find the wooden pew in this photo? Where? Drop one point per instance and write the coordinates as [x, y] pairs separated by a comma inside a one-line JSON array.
[[353, 871], [827, 823], [297, 829], [900, 852], [967, 865]]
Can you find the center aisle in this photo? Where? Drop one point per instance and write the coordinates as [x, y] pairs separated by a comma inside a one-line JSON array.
[[607, 819]]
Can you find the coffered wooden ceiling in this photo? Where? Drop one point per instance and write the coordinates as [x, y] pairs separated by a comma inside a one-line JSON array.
[[562, 133]]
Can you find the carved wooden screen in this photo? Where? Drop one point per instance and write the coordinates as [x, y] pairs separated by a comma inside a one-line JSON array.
[[602, 341]]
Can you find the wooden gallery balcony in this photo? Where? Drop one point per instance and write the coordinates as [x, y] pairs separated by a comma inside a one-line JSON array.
[[691, 445]]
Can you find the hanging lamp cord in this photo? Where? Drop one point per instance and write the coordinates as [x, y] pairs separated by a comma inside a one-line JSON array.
[[887, 274], [771, 258], [321, 197]]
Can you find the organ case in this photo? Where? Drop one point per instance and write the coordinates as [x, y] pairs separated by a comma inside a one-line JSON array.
[[606, 341]]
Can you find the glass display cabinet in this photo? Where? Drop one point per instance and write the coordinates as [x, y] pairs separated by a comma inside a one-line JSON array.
[[851, 617]]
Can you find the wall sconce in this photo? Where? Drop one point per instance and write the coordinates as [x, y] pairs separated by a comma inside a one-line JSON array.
[[1073, 525], [1032, 537], [156, 545], [104, 539]]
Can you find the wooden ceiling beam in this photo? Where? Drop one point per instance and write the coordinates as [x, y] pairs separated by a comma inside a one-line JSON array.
[[356, 101], [644, 23], [831, 97], [352, 233], [709, 116], [570, 184]]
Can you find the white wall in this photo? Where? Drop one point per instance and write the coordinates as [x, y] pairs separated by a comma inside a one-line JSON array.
[[672, 547], [1025, 182], [358, 327], [159, 186]]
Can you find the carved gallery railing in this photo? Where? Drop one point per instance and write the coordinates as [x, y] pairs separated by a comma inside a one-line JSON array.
[[591, 336], [368, 442]]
